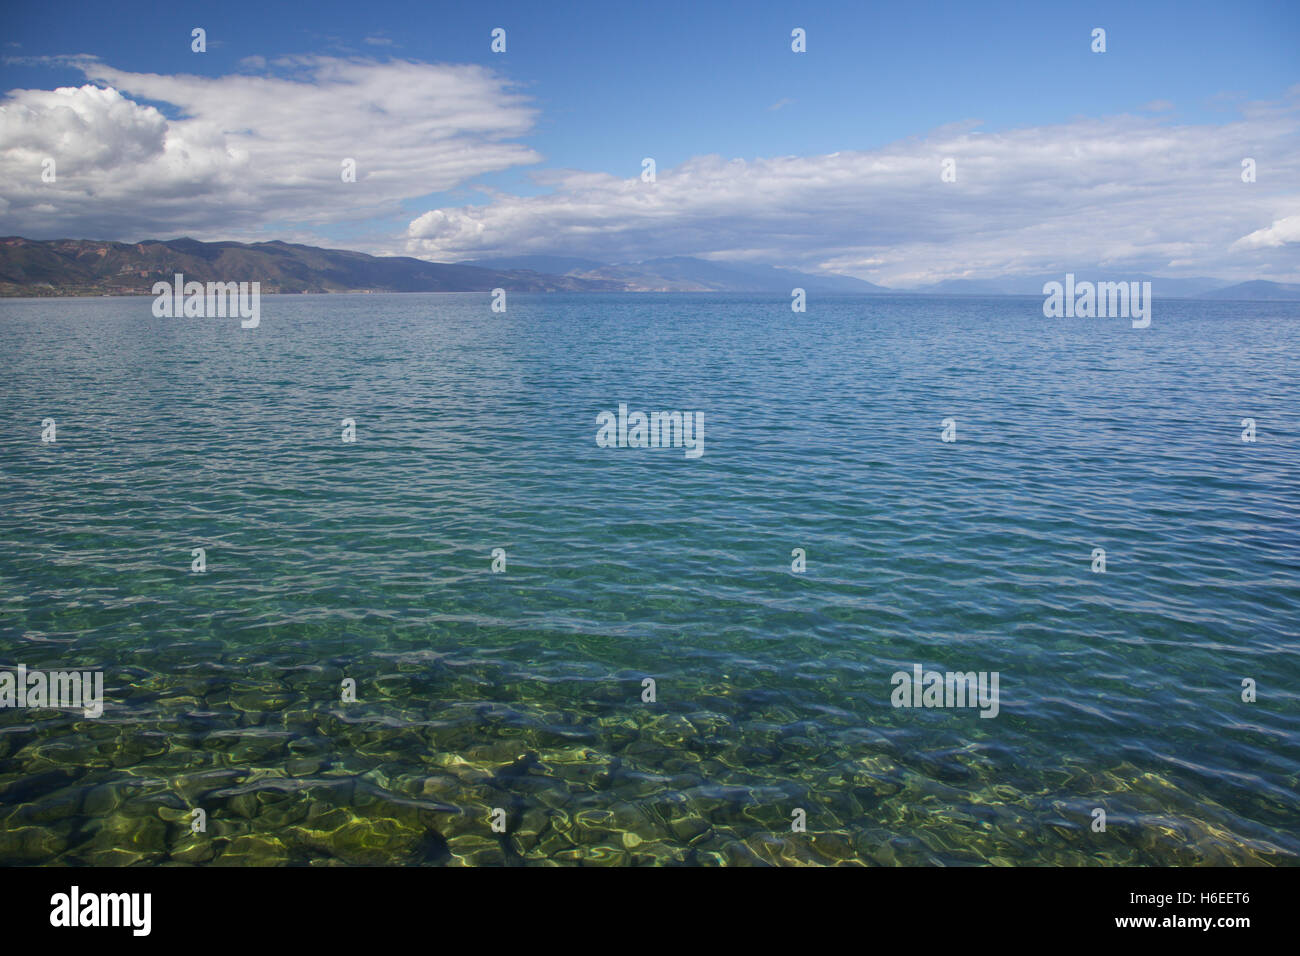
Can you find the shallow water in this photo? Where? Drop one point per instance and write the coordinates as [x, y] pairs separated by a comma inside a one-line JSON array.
[[523, 690]]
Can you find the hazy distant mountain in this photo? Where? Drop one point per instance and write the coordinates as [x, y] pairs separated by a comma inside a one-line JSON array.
[[688, 274], [1259, 289], [87, 267], [974, 287], [740, 277], [551, 265], [1033, 285]]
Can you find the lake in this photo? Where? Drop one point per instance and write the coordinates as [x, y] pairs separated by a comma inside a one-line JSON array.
[[477, 635]]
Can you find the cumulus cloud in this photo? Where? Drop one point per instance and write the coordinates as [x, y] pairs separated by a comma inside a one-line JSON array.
[[1279, 234], [1125, 192], [233, 154]]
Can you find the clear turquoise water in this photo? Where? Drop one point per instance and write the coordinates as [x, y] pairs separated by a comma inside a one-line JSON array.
[[522, 690]]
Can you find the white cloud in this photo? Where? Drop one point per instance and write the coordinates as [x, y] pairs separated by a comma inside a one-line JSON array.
[[1279, 234], [1122, 192], [257, 155], [238, 153]]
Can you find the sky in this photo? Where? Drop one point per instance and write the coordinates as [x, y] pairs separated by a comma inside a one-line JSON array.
[[827, 160]]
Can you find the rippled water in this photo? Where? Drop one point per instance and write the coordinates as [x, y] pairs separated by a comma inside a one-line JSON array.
[[523, 690]]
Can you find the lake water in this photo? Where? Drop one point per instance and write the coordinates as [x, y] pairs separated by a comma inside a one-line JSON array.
[[522, 691]]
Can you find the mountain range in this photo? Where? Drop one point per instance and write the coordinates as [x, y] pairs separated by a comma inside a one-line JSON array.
[[56, 267], [685, 274], [86, 267]]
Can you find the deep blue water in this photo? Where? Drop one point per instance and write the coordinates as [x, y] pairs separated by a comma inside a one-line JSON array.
[[522, 690]]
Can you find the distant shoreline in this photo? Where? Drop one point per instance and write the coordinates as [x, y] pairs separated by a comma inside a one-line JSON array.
[[892, 294], [85, 268]]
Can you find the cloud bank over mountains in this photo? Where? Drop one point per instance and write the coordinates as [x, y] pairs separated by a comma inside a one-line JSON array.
[[247, 155], [1125, 192], [256, 155]]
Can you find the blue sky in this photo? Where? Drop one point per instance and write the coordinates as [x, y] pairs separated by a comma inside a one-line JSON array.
[[586, 90]]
